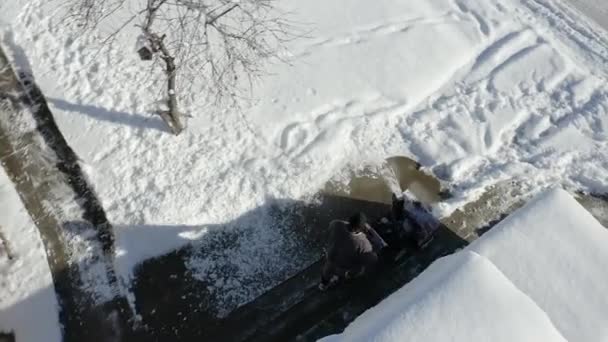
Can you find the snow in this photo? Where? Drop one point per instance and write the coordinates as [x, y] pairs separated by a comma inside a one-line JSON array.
[[594, 9], [539, 275], [28, 305], [477, 91], [555, 251], [463, 297]]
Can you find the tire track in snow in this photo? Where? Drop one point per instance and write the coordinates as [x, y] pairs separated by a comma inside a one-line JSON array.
[[571, 31]]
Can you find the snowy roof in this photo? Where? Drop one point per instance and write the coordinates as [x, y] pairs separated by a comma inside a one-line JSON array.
[[540, 275]]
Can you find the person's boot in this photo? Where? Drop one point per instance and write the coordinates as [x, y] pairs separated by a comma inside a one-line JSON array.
[[323, 286]]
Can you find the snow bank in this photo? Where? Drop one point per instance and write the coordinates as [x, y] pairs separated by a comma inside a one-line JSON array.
[[540, 275], [555, 251], [28, 305], [462, 297]]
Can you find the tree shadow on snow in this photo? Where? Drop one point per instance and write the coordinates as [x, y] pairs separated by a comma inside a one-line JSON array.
[[119, 118], [270, 253], [24, 69], [176, 294], [41, 314], [183, 294]]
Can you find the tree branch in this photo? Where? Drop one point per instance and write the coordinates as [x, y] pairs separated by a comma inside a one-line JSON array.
[[226, 11], [219, 62]]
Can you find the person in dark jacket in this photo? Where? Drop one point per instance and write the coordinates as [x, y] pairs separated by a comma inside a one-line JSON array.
[[352, 251]]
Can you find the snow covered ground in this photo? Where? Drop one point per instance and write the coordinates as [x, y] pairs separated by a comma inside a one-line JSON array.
[[28, 306], [537, 276], [594, 9], [477, 91]]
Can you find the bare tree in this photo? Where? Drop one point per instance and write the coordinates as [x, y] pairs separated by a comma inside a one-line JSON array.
[[220, 44]]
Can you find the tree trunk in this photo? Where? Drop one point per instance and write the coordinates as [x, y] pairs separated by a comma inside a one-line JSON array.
[[172, 116]]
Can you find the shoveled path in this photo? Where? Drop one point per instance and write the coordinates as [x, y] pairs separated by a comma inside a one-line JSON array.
[[55, 192]]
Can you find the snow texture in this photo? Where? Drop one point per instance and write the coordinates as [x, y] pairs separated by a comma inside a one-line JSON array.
[[28, 305], [594, 9], [477, 91], [539, 275], [555, 251], [463, 297]]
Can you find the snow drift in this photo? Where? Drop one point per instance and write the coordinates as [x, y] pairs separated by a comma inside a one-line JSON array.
[[539, 275], [459, 298], [555, 251]]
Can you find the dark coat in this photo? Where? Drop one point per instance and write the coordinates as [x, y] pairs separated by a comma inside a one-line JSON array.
[[346, 250]]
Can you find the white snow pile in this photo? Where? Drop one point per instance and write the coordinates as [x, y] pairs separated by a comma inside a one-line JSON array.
[[477, 91], [555, 251], [28, 305], [459, 298], [540, 275]]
